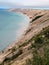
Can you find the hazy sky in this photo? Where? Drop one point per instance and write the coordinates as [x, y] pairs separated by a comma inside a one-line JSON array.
[[24, 2]]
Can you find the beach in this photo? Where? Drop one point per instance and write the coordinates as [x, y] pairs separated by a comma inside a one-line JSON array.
[[39, 19], [35, 24]]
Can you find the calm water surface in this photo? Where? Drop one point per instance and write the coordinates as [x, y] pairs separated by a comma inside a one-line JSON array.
[[12, 26]]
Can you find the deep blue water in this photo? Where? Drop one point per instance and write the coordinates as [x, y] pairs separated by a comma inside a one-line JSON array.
[[12, 25]]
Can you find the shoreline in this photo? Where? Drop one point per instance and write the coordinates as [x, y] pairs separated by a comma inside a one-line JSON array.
[[33, 29], [3, 52], [23, 32], [21, 11]]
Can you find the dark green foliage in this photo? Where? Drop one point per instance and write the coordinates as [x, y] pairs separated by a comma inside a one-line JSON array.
[[1, 64], [40, 43], [38, 40], [37, 59], [41, 60]]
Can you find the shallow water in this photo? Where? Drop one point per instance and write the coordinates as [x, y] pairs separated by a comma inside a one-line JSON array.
[[12, 26]]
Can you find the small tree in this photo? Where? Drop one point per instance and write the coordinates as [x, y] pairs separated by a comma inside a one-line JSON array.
[[38, 40]]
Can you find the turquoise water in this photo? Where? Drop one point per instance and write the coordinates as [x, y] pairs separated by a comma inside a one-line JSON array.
[[12, 26]]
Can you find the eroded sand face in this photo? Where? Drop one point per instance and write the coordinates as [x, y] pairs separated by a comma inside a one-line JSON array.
[[34, 28]]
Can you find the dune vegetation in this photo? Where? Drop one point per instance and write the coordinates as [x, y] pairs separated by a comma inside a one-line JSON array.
[[40, 49]]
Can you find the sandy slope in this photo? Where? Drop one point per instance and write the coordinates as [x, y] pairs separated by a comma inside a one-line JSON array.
[[34, 28]]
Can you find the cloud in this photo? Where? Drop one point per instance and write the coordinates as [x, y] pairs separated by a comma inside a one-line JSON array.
[[24, 2], [35, 2]]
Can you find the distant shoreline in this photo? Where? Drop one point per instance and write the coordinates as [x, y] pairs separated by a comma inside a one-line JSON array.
[[38, 21], [24, 12]]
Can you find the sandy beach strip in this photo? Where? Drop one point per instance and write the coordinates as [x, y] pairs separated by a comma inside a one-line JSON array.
[[34, 27]]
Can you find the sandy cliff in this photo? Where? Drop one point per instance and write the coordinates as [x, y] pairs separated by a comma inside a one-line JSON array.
[[39, 19]]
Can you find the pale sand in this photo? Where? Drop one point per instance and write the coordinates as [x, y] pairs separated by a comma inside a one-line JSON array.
[[35, 27]]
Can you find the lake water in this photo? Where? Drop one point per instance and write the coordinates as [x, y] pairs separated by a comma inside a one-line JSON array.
[[12, 26]]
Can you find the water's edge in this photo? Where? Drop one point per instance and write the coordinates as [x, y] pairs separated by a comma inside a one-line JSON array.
[[11, 44]]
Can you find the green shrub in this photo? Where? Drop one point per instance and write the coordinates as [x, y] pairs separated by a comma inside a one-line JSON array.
[[38, 40]]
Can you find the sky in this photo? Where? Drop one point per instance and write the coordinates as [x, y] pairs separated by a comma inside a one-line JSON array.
[[6, 3]]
